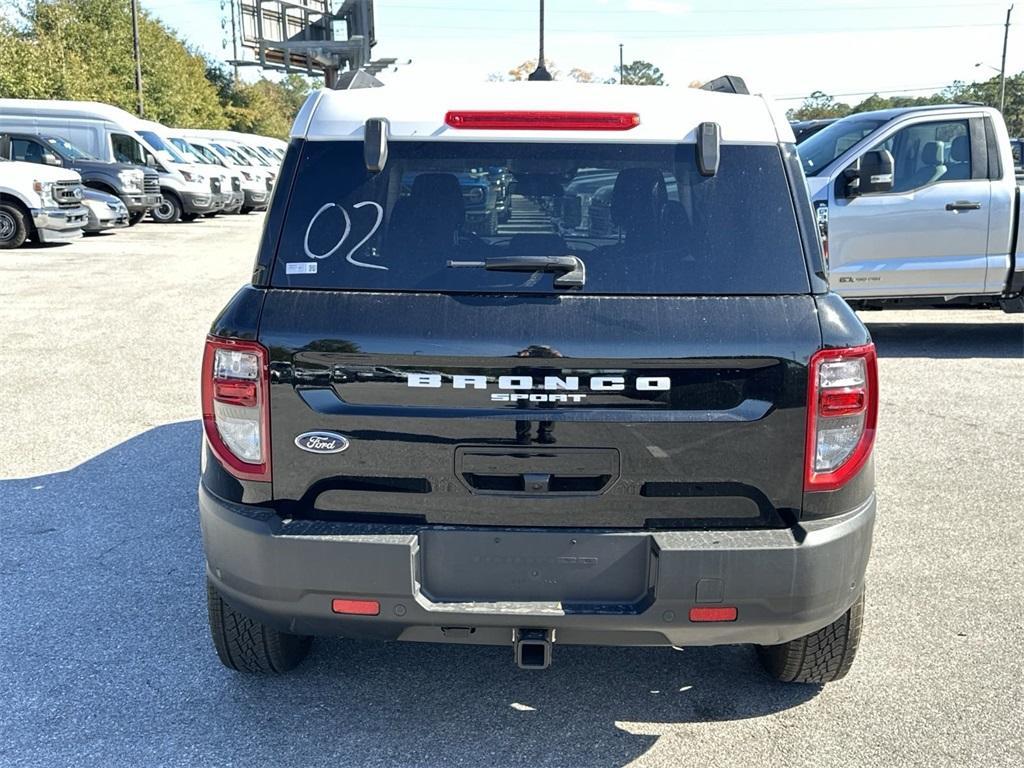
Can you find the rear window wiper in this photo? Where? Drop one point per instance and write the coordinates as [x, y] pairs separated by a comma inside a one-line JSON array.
[[572, 271]]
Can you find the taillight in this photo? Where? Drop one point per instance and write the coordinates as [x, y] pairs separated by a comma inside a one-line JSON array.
[[543, 121], [842, 412], [236, 406]]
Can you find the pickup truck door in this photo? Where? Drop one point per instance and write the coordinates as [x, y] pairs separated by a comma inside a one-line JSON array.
[[929, 235]]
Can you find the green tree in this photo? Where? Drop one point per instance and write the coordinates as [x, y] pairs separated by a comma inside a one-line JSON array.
[[641, 73], [817, 106], [264, 107], [82, 50]]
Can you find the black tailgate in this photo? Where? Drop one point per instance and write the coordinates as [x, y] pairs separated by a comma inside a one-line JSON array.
[[707, 427]]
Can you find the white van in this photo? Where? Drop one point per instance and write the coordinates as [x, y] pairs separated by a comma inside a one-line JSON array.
[[257, 180], [162, 139], [112, 134], [268, 150]]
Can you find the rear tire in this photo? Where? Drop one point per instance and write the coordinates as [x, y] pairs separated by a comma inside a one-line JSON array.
[[13, 227], [169, 211], [247, 645], [820, 657]]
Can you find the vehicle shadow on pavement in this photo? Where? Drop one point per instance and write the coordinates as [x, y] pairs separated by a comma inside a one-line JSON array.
[[947, 340], [107, 658]]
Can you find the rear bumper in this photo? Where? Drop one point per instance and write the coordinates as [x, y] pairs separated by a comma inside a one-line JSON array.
[[59, 225], [286, 574]]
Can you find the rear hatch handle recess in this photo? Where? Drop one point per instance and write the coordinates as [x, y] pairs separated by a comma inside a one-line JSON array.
[[572, 271]]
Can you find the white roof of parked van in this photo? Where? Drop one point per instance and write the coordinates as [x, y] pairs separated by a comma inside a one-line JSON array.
[[93, 110], [667, 114]]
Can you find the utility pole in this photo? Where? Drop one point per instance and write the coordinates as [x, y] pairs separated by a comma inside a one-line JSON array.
[[620, 64], [1002, 69], [541, 72], [234, 41], [136, 52]]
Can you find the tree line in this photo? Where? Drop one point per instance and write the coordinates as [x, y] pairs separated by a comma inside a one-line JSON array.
[[820, 105], [638, 72], [82, 50]]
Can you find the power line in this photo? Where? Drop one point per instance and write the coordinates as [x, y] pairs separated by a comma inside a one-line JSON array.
[[676, 33], [690, 11], [869, 92]]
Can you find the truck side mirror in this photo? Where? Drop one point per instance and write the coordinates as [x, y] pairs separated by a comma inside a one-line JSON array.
[[51, 159], [870, 173], [150, 160]]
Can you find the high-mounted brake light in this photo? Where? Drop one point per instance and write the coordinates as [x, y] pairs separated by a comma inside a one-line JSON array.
[[842, 413], [236, 406], [543, 121]]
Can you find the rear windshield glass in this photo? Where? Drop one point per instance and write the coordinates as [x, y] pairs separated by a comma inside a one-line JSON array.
[[514, 218]]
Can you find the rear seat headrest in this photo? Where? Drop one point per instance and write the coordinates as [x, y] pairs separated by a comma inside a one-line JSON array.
[[638, 196], [960, 152], [931, 153]]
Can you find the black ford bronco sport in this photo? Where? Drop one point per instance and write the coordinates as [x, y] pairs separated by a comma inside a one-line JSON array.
[[649, 427]]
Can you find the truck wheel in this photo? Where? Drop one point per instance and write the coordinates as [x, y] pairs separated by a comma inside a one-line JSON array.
[[135, 217], [820, 657], [13, 229], [169, 211], [246, 645]]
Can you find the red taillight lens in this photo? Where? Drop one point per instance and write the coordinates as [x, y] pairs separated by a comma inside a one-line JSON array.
[[842, 413], [236, 406], [701, 613], [243, 393], [543, 121]]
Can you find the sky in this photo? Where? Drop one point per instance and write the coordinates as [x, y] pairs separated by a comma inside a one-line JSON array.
[[784, 48]]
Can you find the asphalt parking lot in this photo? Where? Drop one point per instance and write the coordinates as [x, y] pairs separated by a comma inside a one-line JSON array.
[[105, 656]]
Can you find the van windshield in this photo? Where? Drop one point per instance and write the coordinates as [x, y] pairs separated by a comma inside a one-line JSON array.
[[164, 149], [186, 151], [234, 154], [818, 151], [641, 219]]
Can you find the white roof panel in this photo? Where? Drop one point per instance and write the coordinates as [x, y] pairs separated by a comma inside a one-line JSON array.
[[667, 114]]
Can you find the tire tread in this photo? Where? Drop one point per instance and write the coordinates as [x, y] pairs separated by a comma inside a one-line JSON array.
[[247, 645], [823, 656]]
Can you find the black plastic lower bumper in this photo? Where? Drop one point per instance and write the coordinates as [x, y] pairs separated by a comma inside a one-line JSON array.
[[136, 203], [591, 587]]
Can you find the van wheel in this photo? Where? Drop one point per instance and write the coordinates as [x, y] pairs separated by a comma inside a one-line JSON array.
[[169, 211], [13, 227], [820, 657], [246, 645]]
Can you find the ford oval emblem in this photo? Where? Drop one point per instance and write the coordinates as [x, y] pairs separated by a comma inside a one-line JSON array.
[[322, 442]]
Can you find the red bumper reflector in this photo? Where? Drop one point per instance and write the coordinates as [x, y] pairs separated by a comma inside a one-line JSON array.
[[356, 607], [544, 121], [713, 613]]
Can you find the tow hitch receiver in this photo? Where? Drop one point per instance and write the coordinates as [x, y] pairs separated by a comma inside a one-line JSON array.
[[533, 647]]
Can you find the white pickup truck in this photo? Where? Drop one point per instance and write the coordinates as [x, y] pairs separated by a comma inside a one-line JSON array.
[[918, 206], [39, 202]]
